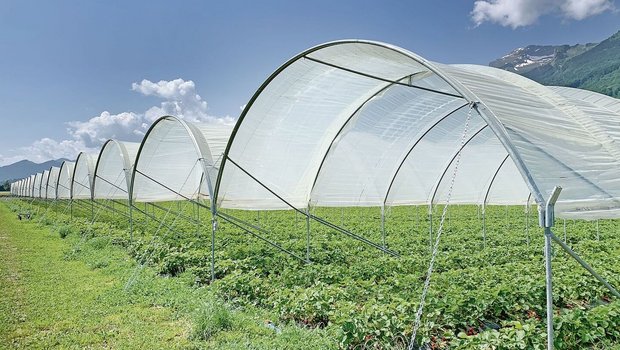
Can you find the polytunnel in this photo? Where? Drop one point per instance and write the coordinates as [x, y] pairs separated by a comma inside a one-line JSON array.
[[43, 185], [112, 174], [360, 123], [52, 180], [82, 177], [36, 191], [31, 182], [26, 186], [173, 158], [357, 123], [22, 187], [63, 185]]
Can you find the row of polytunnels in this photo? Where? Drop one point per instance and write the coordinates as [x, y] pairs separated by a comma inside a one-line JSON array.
[[358, 124]]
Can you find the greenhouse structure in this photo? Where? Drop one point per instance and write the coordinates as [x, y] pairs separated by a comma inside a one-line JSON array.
[[367, 124], [63, 185], [113, 170]]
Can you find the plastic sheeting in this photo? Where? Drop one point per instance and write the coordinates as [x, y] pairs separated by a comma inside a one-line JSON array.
[[173, 157], [50, 190], [43, 187], [82, 177], [31, 180], [36, 192], [63, 186], [368, 124], [112, 174]]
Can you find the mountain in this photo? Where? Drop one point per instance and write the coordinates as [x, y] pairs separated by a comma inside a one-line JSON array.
[[594, 66], [25, 168]]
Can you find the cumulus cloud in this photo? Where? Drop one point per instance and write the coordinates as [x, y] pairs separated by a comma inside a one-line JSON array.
[[127, 126], [520, 13], [45, 149], [179, 99]]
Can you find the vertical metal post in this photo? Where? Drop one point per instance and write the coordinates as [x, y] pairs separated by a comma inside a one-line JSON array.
[[546, 218], [71, 208], [308, 233], [484, 226], [342, 216], [130, 220], [213, 229], [383, 225], [549, 288], [430, 230], [564, 230], [92, 210]]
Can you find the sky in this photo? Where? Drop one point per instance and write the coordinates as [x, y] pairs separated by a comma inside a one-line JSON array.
[[75, 73]]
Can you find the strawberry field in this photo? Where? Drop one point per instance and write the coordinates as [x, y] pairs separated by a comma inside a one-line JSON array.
[[487, 290]]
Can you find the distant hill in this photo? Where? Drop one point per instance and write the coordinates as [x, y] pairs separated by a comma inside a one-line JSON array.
[[25, 168], [594, 66]]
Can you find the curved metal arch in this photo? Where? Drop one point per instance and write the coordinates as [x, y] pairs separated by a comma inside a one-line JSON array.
[[445, 170], [197, 147], [560, 102], [63, 166], [486, 195], [570, 169], [41, 184], [37, 183], [393, 177], [31, 180], [280, 69], [47, 183], [124, 155], [489, 117], [344, 125], [91, 173]]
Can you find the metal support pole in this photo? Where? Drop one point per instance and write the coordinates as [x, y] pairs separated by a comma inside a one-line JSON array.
[[130, 220], [549, 288], [213, 229], [430, 230], [564, 230], [585, 266], [383, 225], [71, 208], [308, 234], [484, 226], [546, 218]]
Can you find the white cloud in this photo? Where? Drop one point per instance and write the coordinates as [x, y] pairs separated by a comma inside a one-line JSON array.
[[580, 9], [180, 99], [127, 126], [520, 13], [45, 149]]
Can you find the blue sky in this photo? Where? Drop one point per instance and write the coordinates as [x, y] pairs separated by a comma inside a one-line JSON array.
[[73, 73]]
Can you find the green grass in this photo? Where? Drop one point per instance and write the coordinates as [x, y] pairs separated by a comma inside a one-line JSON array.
[[485, 292], [86, 292]]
